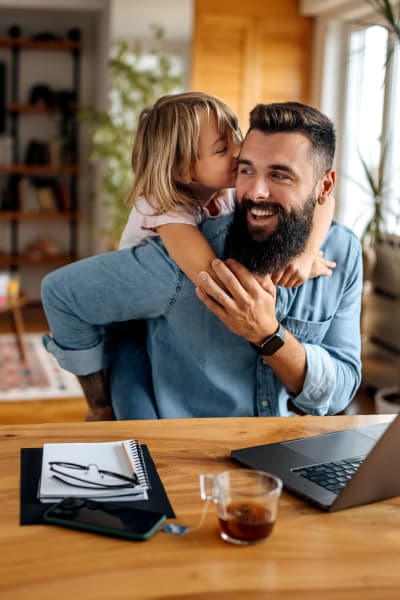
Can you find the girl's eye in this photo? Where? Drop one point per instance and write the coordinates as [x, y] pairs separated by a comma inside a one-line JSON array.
[[221, 150]]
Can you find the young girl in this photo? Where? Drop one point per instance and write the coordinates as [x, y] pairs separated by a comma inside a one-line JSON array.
[[184, 163]]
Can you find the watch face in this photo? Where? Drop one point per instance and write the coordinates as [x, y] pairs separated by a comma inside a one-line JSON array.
[[272, 344]]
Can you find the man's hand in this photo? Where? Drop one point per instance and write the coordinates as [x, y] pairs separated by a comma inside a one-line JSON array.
[[245, 303]]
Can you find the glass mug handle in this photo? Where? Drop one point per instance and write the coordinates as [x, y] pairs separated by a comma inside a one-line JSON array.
[[207, 486]]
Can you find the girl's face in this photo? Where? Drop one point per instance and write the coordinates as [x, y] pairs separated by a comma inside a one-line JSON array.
[[216, 166]]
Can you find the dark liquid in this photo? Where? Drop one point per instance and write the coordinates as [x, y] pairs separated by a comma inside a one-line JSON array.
[[247, 521]]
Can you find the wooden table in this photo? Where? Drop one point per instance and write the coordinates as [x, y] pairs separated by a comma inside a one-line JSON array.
[[349, 554]]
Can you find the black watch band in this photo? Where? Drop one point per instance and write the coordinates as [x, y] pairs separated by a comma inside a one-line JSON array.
[[272, 343]]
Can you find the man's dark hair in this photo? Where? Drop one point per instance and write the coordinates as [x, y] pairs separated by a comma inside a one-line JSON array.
[[298, 118]]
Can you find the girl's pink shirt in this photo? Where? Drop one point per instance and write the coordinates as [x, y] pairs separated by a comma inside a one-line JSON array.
[[142, 222]]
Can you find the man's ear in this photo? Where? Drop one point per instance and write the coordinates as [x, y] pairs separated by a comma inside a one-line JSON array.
[[326, 185]]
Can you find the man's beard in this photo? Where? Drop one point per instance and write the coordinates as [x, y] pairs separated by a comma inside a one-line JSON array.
[[275, 251]]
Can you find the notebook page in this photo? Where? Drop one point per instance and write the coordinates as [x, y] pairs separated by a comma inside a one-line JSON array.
[[119, 457]]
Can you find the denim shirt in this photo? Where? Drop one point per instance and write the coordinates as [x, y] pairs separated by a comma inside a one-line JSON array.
[[199, 367]]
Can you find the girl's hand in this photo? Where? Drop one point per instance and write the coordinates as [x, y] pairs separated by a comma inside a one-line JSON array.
[[302, 268]]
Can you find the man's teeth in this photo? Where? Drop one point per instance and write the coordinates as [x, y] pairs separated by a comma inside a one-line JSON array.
[[259, 212]]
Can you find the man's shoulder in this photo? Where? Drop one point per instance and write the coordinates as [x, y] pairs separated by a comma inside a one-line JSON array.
[[339, 234], [216, 230], [343, 246]]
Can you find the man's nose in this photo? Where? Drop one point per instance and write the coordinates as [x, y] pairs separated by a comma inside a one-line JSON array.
[[258, 189]]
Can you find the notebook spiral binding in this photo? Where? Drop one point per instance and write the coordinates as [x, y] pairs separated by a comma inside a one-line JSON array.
[[138, 461]]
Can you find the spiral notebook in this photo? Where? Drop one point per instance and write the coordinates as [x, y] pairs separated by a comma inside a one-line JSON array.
[[112, 470]]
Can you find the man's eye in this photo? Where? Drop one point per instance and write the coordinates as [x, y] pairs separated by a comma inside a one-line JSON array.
[[245, 171], [280, 176]]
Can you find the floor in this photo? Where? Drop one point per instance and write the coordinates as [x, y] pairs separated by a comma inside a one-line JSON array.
[[35, 411], [379, 369]]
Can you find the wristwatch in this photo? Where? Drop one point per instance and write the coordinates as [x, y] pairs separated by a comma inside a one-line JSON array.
[[270, 345]]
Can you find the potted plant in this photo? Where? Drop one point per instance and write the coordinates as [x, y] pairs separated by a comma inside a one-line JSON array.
[[138, 76], [381, 250]]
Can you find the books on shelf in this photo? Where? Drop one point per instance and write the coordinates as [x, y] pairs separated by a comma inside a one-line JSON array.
[[103, 470], [42, 195], [46, 198]]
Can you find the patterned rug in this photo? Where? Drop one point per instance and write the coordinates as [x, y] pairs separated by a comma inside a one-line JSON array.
[[39, 379]]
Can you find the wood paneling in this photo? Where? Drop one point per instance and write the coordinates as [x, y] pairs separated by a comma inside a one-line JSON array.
[[251, 52]]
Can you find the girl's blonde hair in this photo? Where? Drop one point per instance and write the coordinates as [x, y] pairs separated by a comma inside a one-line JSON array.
[[166, 144]]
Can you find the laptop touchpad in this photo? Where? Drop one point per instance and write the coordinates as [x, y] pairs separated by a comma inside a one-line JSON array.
[[332, 446]]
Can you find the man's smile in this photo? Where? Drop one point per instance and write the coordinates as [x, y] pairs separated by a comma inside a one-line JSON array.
[[262, 215]]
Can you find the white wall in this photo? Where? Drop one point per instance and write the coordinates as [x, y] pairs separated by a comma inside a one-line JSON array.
[[131, 19]]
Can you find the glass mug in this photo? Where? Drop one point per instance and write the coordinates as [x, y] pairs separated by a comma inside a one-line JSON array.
[[247, 503]]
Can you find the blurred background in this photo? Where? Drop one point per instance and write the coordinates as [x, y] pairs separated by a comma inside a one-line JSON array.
[[74, 79]]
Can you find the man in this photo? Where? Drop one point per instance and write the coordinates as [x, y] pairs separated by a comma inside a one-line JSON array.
[[249, 347]]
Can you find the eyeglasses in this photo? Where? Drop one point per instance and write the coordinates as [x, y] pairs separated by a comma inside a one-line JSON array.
[[90, 476]]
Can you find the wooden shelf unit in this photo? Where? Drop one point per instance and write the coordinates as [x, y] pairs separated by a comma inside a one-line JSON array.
[[17, 110]]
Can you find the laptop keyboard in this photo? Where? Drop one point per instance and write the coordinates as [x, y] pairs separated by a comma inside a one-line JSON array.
[[332, 476]]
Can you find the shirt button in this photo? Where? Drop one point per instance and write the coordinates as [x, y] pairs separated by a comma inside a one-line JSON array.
[[265, 403]]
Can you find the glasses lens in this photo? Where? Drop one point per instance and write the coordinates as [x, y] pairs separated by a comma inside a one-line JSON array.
[[89, 477]]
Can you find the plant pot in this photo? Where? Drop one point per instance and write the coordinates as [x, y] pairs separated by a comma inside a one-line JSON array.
[[387, 400], [369, 262]]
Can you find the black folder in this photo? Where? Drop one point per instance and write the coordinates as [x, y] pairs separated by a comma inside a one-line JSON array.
[[31, 509]]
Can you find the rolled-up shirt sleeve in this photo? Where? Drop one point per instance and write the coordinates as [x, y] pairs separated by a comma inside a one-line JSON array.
[[334, 365]]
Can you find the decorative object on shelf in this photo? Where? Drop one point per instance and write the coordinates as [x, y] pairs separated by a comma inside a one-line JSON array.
[[46, 36], [6, 149], [74, 34], [42, 248], [137, 78], [14, 31]]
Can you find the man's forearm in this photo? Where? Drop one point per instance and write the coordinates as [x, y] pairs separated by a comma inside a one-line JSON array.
[[289, 364]]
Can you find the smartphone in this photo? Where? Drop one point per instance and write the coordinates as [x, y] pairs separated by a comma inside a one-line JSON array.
[[107, 518]]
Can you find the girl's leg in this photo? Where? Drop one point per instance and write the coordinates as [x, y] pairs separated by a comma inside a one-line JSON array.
[[79, 301]]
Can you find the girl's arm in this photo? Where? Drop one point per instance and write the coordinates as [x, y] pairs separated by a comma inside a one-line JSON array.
[[188, 247], [311, 262]]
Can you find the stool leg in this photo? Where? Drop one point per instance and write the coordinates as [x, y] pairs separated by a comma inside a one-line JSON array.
[[19, 330]]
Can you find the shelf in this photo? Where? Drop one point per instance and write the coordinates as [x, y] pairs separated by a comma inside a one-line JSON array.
[[39, 108], [39, 170], [10, 215], [62, 45], [6, 260]]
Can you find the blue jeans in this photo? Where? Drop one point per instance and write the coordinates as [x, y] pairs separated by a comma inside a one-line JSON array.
[[127, 360], [114, 347]]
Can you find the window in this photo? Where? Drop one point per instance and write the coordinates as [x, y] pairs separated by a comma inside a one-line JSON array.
[[358, 86], [362, 137]]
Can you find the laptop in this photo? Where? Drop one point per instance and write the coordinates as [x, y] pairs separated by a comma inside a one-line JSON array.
[[335, 470]]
